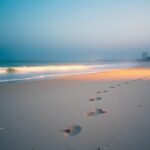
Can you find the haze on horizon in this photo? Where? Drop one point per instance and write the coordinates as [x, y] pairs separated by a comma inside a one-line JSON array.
[[74, 29]]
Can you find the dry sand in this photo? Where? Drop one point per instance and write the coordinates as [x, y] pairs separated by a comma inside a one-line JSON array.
[[33, 114]]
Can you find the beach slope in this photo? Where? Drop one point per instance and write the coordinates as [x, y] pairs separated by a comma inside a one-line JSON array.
[[33, 115]]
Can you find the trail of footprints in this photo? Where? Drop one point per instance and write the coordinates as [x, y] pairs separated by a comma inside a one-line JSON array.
[[76, 129]]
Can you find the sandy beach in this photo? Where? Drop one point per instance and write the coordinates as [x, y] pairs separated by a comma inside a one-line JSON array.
[[33, 114]]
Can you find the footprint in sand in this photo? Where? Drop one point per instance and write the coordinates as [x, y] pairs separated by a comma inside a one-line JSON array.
[[91, 99], [112, 87], [95, 99], [95, 112], [72, 130], [98, 92], [105, 91], [98, 98]]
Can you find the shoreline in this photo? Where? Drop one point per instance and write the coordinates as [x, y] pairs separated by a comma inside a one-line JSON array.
[[114, 74], [61, 71]]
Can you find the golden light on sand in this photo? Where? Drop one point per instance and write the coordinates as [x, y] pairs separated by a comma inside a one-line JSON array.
[[124, 74]]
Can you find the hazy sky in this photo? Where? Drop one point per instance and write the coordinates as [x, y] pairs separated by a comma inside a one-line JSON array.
[[74, 29]]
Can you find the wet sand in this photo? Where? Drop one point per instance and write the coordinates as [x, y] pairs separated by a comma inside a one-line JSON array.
[[33, 114]]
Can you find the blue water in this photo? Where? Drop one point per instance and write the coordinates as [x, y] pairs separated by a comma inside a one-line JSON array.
[[35, 70]]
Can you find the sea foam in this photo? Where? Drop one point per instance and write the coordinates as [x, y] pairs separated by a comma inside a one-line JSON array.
[[20, 73]]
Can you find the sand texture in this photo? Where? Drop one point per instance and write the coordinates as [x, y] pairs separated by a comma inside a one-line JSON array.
[[34, 115]]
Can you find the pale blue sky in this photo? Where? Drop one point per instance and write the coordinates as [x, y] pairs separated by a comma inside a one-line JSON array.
[[74, 29]]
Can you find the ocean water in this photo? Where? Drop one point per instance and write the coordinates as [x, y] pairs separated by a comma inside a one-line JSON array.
[[35, 70]]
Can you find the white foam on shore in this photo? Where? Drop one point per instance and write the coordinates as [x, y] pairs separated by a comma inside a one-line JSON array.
[[50, 68], [42, 72]]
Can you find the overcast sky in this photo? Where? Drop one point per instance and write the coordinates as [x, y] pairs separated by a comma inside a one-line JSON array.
[[74, 29]]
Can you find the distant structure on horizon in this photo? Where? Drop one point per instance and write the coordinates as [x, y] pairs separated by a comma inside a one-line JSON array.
[[145, 56]]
